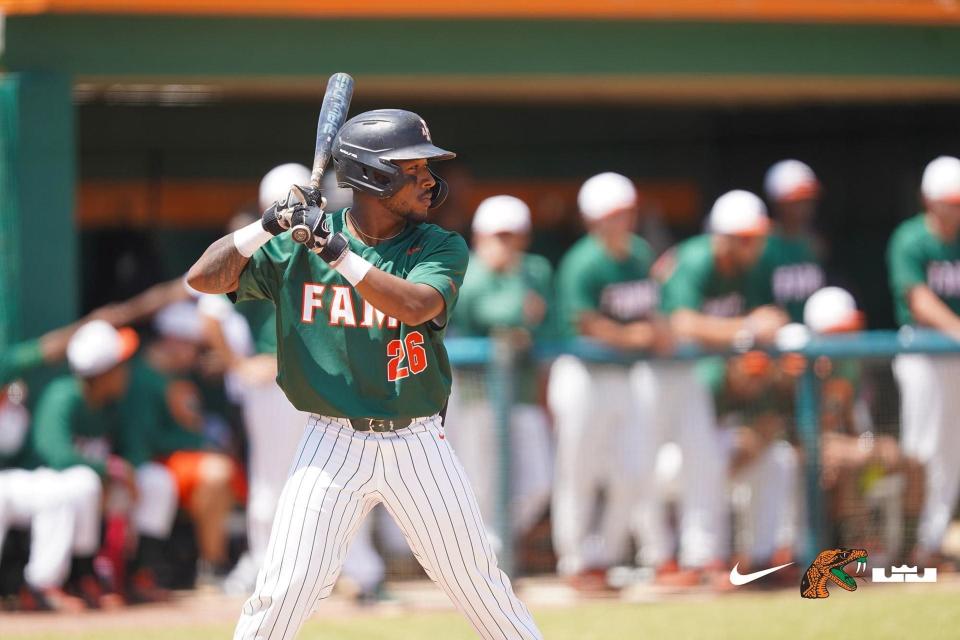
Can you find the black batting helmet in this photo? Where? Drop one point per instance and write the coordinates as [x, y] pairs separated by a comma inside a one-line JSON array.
[[367, 145]]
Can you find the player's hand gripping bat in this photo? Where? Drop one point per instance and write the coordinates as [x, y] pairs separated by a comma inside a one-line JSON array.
[[333, 113]]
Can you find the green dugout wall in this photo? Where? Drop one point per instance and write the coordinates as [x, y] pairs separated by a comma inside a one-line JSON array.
[[38, 253], [715, 92]]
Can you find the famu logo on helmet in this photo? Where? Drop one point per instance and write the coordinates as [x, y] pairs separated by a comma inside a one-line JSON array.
[[368, 145]]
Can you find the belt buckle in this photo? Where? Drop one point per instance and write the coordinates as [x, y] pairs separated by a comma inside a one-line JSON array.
[[382, 426]]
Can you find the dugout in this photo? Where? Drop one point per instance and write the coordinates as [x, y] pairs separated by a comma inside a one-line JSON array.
[[130, 134]]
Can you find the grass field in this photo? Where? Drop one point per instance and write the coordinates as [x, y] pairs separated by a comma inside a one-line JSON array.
[[925, 612]]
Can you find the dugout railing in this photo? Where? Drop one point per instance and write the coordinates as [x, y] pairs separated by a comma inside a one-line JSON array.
[[489, 368]]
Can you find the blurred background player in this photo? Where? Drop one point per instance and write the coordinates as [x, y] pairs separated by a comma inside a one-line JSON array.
[[604, 293], [923, 259], [714, 299], [273, 426], [61, 508], [790, 259], [506, 291], [862, 472], [165, 402], [78, 422]]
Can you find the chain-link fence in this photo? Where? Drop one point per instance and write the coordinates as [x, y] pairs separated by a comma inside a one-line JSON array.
[[847, 442]]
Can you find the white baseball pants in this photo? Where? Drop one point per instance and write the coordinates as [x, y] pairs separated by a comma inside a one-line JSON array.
[[930, 432], [602, 445], [274, 430], [474, 438], [156, 507], [62, 509], [768, 488], [339, 475], [678, 408]]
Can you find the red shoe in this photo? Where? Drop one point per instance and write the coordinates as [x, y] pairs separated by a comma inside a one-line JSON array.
[[143, 588], [96, 596], [591, 581], [52, 599], [681, 578]]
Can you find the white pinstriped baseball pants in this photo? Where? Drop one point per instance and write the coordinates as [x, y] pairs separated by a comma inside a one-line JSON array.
[[338, 476]]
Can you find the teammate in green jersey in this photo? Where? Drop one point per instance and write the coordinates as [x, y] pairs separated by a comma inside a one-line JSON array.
[[604, 293], [506, 292], [361, 314], [923, 260], [862, 472], [790, 262], [61, 508], [78, 423], [713, 298]]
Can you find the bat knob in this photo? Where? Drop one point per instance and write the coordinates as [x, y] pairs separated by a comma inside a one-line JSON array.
[[301, 234]]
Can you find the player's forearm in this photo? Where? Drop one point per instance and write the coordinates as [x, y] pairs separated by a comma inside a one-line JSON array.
[[708, 331], [218, 269], [635, 335], [144, 305], [411, 303], [930, 311]]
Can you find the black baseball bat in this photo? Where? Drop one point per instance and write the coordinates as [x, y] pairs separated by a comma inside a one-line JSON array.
[[333, 113]]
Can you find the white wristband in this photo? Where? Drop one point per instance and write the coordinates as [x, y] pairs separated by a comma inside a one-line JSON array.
[[353, 268], [250, 238]]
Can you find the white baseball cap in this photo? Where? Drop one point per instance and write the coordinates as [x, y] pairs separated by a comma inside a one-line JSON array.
[[179, 320], [501, 214], [276, 184], [832, 310], [738, 213], [941, 180], [791, 180], [97, 347], [604, 194]]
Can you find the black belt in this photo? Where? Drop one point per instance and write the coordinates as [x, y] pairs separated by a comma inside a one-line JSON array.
[[376, 424]]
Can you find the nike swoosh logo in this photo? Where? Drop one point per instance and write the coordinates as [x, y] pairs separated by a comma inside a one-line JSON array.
[[413, 250], [737, 579]]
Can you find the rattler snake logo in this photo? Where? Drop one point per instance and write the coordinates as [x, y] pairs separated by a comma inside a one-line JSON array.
[[828, 566]]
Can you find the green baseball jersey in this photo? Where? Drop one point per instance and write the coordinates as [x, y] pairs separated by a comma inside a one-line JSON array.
[[495, 299], [156, 407], [18, 359], [692, 281], [791, 268], [917, 256], [262, 318], [67, 432], [491, 299], [590, 279], [339, 356]]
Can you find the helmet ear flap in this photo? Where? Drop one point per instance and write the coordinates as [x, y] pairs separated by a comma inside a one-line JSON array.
[[439, 191]]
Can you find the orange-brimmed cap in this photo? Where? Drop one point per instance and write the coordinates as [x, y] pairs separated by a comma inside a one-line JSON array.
[[97, 347], [791, 181], [739, 213]]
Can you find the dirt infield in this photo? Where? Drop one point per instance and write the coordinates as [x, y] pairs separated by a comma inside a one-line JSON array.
[[197, 610]]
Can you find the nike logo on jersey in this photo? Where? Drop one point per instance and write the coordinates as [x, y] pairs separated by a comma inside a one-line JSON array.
[[413, 250], [737, 579]]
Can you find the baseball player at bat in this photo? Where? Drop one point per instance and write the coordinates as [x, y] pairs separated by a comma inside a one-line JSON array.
[[273, 425], [923, 259], [361, 313]]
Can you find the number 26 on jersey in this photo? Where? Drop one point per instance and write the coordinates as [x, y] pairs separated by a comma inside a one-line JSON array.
[[411, 350]]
